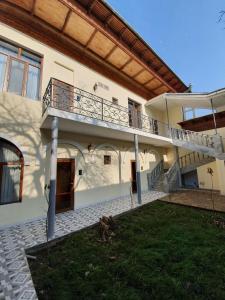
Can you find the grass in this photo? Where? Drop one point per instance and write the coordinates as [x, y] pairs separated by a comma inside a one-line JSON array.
[[160, 251]]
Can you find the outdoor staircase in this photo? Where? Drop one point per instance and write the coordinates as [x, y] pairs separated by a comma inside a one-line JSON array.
[[191, 161], [210, 145]]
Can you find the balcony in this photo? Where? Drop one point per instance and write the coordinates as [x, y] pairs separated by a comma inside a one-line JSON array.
[[82, 112]]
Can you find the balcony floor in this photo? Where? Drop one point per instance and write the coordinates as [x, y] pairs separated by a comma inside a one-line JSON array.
[[70, 122]]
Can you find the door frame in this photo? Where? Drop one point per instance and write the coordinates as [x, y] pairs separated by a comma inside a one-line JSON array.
[[133, 161], [72, 161]]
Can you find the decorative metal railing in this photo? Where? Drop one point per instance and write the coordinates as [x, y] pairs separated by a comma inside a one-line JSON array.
[[71, 99], [154, 175], [75, 100], [193, 158]]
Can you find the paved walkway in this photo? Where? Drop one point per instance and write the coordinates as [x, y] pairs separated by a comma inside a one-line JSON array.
[[15, 277], [198, 198]]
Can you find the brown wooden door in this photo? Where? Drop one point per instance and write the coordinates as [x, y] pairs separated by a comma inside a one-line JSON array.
[[133, 177], [63, 95], [134, 114], [65, 185]]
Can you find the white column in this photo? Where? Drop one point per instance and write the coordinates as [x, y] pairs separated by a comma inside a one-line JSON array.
[[138, 169], [53, 175]]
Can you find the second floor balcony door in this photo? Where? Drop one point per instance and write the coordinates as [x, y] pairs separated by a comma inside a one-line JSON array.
[[134, 109], [63, 95]]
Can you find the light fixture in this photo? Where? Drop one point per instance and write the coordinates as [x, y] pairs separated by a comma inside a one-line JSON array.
[[95, 86]]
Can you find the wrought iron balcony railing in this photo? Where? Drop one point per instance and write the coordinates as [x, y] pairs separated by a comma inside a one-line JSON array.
[[71, 99], [75, 100]]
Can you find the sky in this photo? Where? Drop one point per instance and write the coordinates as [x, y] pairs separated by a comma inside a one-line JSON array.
[[186, 34]]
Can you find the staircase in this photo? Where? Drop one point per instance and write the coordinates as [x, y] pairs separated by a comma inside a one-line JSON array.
[[191, 161], [210, 145]]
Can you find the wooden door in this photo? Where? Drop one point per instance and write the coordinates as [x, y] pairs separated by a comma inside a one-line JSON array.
[[133, 176], [134, 114], [65, 185], [63, 95]]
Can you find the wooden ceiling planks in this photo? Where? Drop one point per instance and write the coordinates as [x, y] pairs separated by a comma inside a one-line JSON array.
[[132, 68], [101, 45], [118, 58], [79, 29], [51, 11], [143, 77]]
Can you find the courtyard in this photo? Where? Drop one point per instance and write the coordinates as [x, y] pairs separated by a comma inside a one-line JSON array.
[[159, 251]]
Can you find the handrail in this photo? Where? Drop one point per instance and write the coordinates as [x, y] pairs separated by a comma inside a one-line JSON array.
[[192, 158], [62, 96], [171, 178], [155, 174]]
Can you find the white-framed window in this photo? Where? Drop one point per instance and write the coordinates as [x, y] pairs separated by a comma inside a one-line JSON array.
[[193, 112]]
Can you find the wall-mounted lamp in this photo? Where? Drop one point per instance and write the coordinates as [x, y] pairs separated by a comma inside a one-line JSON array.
[[89, 147], [95, 86]]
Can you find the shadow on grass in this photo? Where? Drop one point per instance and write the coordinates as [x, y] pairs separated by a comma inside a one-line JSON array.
[[160, 251]]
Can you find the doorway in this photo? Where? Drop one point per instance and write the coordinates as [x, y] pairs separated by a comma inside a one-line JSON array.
[[133, 177], [134, 110], [65, 184]]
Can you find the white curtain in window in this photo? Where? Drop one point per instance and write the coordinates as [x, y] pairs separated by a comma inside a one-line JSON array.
[[33, 82], [16, 77], [10, 183], [3, 59]]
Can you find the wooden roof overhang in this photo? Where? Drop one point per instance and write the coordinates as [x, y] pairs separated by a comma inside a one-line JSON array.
[[204, 123], [92, 33]]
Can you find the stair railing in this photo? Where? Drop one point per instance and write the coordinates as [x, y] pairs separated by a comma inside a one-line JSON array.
[[171, 178], [193, 158], [154, 175]]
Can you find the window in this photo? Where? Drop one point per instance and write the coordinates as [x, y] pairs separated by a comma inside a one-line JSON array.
[[114, 101], [107, 160], [20, 71], [11, 173], [191, 113]]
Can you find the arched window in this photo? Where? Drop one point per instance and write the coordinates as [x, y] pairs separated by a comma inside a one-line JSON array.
[[11, 173]]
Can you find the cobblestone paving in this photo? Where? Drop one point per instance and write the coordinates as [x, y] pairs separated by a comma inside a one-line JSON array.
[[15, 278]]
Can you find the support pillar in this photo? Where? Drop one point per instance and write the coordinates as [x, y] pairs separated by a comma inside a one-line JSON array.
[[138, 169], [214, 117], [220, 166], [178, 164], [53, 175]]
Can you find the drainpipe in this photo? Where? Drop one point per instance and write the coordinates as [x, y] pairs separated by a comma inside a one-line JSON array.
[[138, 169], [214, 117], [53, 174], [167, 115]]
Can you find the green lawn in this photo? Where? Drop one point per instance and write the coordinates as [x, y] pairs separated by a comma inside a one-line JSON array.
[[160, 251]]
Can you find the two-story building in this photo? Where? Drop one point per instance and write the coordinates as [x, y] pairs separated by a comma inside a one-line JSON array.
[[88, 111]]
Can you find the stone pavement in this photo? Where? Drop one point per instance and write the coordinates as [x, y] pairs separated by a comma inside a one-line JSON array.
[[197, 198], [15, 278]]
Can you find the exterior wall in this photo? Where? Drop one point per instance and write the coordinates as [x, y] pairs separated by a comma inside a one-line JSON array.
[[64, 68], [20, 123], [204, 179]]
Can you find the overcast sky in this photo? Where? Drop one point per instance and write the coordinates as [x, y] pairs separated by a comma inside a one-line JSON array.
[[185, 33]]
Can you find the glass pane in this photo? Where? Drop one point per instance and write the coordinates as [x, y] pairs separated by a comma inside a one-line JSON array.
[[8, 48], [199, 112], [31, 58], [16, 77], [33, 82], [8, 152], [189, 115], [10, 184], [3, 60]]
